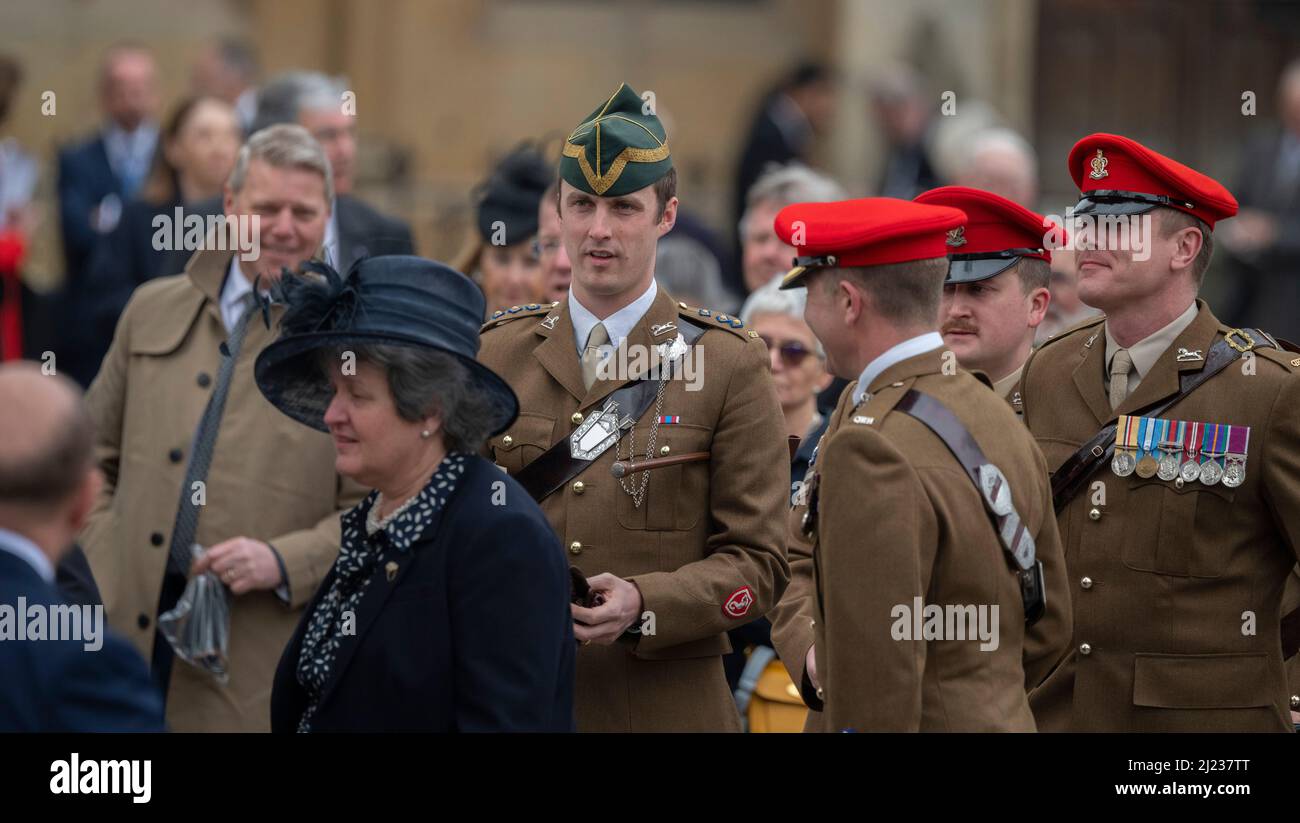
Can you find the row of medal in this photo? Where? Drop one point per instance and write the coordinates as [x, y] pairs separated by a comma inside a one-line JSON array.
[[1173, 449]]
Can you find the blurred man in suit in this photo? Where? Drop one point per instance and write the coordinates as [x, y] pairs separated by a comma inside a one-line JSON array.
[[316, 102], [72, 677], [98, 175], [227, 69]]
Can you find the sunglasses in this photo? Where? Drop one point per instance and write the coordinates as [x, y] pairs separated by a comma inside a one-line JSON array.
[[792, 352]]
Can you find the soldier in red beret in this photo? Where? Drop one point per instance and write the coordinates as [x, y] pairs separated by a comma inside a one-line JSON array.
[[1175, 450], [926, 506], [996, 292]]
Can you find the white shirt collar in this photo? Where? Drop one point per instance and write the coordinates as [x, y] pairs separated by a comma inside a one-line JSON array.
[[330, 245], [619, 324], [896, 354], [20, 546], [232, 292]]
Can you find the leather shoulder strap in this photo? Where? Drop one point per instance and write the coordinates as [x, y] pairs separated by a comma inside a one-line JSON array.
[[556, 466]]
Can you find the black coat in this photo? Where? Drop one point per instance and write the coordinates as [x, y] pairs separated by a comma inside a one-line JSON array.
[[63, 686], [473, 634]]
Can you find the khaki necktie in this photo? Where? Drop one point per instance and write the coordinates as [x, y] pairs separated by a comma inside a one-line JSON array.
[[591, 355], [1119, 369]]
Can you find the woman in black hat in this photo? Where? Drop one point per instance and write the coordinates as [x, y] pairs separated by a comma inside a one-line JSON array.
[[502, 256], [448, 606]]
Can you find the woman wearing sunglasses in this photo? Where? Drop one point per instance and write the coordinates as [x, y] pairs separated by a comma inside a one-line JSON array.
[[798, 364], [799, 372]]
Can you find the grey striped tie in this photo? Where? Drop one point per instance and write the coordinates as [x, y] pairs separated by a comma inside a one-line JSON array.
[[205, 437]]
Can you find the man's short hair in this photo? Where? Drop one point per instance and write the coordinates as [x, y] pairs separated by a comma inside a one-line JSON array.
[[287, 95], [906, 294], [1173, 220], [1033, 273], [792, 183], [665, 189], [55, 470], [282, 147]]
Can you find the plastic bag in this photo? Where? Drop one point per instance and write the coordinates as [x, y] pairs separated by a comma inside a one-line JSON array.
[[198, 628]]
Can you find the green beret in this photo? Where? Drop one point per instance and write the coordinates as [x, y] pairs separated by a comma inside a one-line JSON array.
[[618, 149]]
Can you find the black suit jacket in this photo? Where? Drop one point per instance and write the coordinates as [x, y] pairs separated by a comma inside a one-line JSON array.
[[473, 634], [60, 685], [85, 179]]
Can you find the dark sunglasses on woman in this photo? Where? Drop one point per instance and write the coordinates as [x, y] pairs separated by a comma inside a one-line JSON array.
[[792, 351]]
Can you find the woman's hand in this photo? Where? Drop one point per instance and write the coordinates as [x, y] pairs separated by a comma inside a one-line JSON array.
[[606, 623], [242, 563]]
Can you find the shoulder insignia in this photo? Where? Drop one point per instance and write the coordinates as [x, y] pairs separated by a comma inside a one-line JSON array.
[[711, 319], [500, 318]]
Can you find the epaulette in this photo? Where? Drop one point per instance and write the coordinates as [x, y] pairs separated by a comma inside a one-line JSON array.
[[712, 319], [1282, 352], [504, 316]]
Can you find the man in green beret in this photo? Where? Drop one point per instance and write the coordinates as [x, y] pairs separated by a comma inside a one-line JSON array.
[[621, 374]]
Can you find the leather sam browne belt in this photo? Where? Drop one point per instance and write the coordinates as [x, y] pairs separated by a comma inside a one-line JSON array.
[[995, 493], [557, 466]]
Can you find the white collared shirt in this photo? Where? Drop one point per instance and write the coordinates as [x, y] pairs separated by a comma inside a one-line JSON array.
[[911, 347], [20, 546], [619, 324], [232, 292], [330, 245], [130, 152]]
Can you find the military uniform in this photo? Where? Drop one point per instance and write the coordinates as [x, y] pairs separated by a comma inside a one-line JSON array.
[[703, 541], [1178, 578], [880, 466], [997, 235]]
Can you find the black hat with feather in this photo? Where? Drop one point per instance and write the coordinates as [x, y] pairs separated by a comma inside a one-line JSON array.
[[396, 300]]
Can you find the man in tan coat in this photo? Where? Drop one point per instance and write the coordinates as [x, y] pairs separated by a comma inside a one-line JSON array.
[[1178, 540], [908, 610], [680, 553], [995, 297], [268, 502]]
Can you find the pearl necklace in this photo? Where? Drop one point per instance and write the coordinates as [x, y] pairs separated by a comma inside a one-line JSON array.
[[375, 524]]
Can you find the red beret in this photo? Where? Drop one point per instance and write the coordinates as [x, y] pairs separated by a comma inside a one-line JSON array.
[[872, 231], [998, 232], [1116, 175]]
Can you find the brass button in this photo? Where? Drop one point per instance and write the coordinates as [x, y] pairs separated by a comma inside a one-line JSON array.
[[1085, 583], [578, 487], [821, 693], [1295, 702], [1178, 482], [665, 450], [1084, 648], [575, 547], [576, 418], [1095, 514], [507, 441]]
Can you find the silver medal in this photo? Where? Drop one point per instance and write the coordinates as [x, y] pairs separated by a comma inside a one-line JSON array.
[[1168, 467], [1235, 472], [1211, 472], [1190, 471], [1123, 463]]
